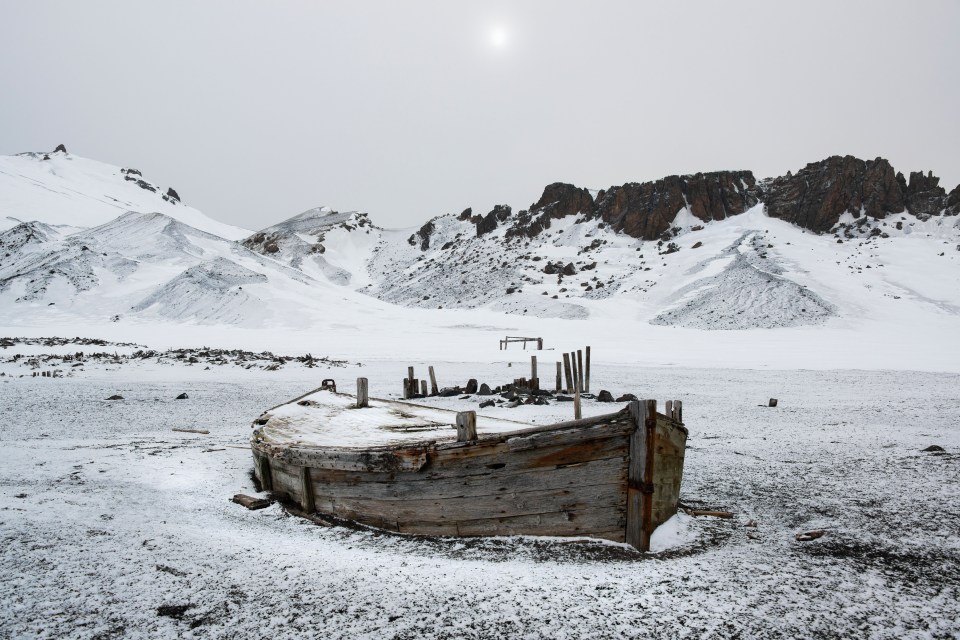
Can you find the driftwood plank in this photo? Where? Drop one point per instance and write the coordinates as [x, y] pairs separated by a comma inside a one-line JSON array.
[[250, 502]]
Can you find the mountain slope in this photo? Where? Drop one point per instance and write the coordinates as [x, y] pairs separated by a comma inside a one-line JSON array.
[[59, 188]]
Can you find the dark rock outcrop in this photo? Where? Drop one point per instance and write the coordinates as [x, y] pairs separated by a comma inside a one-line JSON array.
[[172, 194], [60, 148], [604, 396], [953, 202], [466, 214], [646, 210], [471, 386], [490, 221], [423, 234], [821, 192]]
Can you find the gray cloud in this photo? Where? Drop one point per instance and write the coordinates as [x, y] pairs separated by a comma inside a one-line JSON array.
[[255, 111]]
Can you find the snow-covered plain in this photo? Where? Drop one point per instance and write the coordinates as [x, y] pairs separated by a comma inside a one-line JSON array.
[[113, 525]]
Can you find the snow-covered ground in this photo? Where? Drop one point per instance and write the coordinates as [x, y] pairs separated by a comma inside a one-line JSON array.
[[113, 525]]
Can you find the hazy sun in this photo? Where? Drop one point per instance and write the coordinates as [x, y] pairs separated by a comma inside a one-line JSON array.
[[498, 37]]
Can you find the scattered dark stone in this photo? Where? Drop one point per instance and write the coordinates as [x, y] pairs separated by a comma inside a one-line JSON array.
[[484, 390], [115, 397], [512, 404], [697, 245], [569, 269], [541, 401], [465, 215], [174, 611], [464, 397], [563, 399], [487, 403], [60, 148], [772, 403], [627, 397], [508, 395], [932, 448], [448, 392], [471, 386], [173, 194], [182, 396], [604, 396]]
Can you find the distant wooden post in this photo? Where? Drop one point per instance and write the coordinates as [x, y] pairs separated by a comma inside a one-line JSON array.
[[580, 368], [306, 487], [362, 393], [772, 403], [406, 388], [466, 426], [559, 375], [668, 409], [678, 410], [423, 387], [640, 474], [576, 401], [433, 382], [413, 380], [566, 370], [539, 344], [586, 386], [573, 368], [534, 382]]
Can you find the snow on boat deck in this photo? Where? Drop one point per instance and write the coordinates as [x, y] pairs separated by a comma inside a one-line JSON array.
[[326, 419]]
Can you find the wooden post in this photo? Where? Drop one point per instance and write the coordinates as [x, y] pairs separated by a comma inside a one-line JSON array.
[[772, 403], [573, 368], [576, 401], [306, 487], [434, 390], [362, 393], [586, 385], [640, 474], [678, 410], [533, 372], [566, 370], [580, 368], [266, 478], [466, 426], [412, 379], [559, 376], [423, 387], [406, 388], [668, 409], [539, 344]]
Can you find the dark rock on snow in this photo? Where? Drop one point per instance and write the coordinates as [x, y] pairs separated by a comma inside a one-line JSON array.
[[471, 386], [627, 397], [182, 396], [484, 390], [487, 403], [115, 397], [604, 396]]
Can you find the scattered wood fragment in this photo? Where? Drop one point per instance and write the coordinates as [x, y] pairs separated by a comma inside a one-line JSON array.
[[212, 450], [807, 536], [250, 502], [203, 431], [713, 514]]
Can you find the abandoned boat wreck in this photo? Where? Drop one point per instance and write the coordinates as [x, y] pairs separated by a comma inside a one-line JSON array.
[[416, 469]]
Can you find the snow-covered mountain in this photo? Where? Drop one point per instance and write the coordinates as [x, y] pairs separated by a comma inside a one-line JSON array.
[[842, 240]]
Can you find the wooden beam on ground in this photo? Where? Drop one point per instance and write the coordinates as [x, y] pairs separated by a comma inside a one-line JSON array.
[[250, 502]]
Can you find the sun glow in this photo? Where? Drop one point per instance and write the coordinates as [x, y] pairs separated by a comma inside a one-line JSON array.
[[498, 37]]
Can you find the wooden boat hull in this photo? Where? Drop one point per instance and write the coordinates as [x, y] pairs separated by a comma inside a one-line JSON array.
[[594, 477]]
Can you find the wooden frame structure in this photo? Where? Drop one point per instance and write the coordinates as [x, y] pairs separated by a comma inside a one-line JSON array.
[[508, 339]]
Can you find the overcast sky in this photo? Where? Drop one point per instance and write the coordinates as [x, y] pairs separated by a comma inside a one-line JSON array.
[[255, 111]]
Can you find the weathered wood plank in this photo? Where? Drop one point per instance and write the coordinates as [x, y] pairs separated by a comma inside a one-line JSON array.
[[586, 384], [306, 490], [566, 371], [494, 482], [455, 509]]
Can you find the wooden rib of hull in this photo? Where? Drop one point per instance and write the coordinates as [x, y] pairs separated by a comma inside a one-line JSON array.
[[569, 479]]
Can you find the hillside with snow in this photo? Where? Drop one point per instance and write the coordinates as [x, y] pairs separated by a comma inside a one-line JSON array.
[[845, 246]]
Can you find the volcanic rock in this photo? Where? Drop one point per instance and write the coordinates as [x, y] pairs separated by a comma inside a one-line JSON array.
[[182, 396], [821, 192], [627, 397], [487, 403], [646, 210], [471, 386], [60, 148], [484, 390], [490, 221], [171, 193]]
